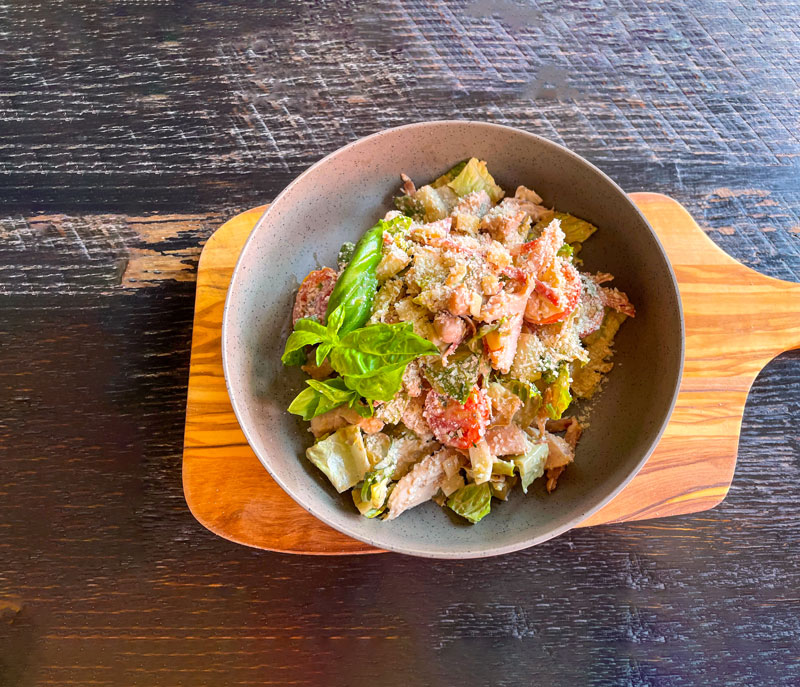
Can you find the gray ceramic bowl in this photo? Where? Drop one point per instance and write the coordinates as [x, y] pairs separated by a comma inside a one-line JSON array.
[[340, 197]]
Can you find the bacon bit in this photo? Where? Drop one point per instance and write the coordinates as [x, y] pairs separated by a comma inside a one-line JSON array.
[[572, 427], [616, 299], [408, 186], [602, 277], [552, 478]]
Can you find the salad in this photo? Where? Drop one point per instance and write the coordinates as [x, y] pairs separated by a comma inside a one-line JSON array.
[[447, 345]]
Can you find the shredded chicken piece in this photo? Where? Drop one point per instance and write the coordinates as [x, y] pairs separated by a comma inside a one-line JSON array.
[[535, 211], [424, 480], [475, 203], [414, 419], [317, 372], [341, 417], [507, 440], [561, 453]]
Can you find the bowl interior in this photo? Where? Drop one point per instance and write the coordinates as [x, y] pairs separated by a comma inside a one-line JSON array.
[[337, 200]]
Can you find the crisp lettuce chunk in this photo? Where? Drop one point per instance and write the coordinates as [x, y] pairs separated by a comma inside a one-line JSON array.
[[475, 177], [531, 463], [473, 501], [557, 397], [342, 457]]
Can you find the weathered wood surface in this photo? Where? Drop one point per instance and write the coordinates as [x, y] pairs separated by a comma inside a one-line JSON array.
[[728, 342], [113, 111]]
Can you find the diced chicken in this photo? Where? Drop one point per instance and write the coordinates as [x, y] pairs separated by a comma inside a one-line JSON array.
[[533, 210], [505, 404], [424, 480], [451, 329], [536, 255], [552, 478], [412, 379], [503, 224], [341, 417], [314, 294], [414, 419], [507, 440]]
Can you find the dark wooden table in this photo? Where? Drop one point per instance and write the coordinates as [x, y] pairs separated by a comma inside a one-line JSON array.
[[130, 130]]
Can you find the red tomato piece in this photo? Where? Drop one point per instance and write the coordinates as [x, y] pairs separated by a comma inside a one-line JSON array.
[[457, 425], [314, 294]]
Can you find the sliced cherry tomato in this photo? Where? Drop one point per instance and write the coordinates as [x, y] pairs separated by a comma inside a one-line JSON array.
[[556, 296], [457, 425], [314, 294]]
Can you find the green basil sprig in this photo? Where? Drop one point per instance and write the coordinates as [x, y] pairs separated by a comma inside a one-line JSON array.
[[370, 360], [322, 396], [356, 287]]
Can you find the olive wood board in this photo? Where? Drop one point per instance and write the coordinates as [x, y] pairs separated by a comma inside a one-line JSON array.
[[736, 319]]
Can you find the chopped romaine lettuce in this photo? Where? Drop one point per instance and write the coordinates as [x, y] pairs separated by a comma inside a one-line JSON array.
[[557, 397], [531, 463], [410, 207], [449, 175], [586, 379], [575, 230], [436, 202], [365, 507], [345, 254], [342, 457], [481, 459], [475, 177], [473, 502], [502, 467], [458, 378]]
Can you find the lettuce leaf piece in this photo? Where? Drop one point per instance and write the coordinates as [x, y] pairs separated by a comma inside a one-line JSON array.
[[410, 207], [342, 457], [576, 230], [475, 177], [458, 378], [473, 501], [345, 254], [531, 463], [586, 379], [557, 397], [376, 483], [371, 360], [365, 507], [527, 391], [449, 175], [503, 467]]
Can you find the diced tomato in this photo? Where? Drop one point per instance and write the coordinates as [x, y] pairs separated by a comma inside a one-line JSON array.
[[457, 425], [556, 295], [314, 294]]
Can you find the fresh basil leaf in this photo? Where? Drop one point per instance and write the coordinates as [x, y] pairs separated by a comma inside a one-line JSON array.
[[356, 287], [372, 360], [320, 397], [297, 341]]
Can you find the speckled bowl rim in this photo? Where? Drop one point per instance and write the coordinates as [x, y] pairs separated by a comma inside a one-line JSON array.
[[443, 552]]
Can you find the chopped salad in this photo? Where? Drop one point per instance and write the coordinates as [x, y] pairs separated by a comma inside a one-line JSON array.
[[447, 345]]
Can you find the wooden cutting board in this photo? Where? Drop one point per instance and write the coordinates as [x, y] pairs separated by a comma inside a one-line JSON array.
[[736, 321]]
